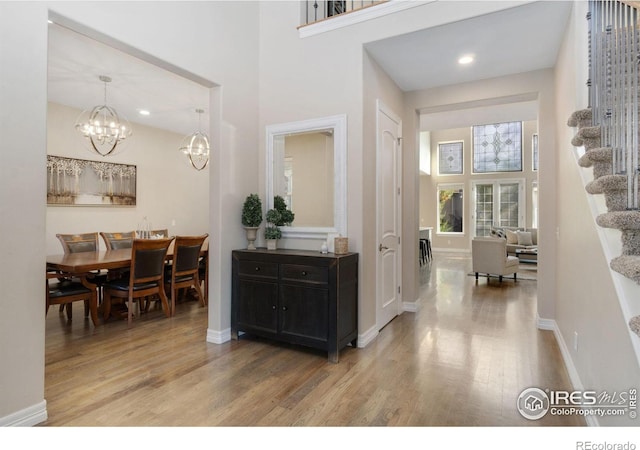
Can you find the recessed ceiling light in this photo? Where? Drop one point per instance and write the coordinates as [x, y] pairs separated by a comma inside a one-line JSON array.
[[466, 59], [143, 112]]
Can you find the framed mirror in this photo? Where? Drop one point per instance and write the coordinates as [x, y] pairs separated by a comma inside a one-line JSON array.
[[307, 166]]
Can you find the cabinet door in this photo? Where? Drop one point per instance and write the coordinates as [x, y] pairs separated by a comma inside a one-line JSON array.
[[257, 306], [304, 313]]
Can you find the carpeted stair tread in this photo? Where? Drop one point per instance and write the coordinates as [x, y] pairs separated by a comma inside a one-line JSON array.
[[607, 184], [580, 118], [620, 220], [634, 324], [627, 265]]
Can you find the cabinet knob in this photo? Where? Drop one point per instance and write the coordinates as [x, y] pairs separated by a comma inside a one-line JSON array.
[[257, 269], [304, 274], [284, 308], [273, 307]]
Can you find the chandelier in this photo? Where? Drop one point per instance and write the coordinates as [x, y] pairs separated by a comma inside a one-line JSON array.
[[102, 126], [196, 147]]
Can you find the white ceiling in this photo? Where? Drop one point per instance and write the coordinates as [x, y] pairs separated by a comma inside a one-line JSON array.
[[515, 40], [76, 61]]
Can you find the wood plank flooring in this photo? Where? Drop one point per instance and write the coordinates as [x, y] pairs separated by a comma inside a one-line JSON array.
[[462, 360]]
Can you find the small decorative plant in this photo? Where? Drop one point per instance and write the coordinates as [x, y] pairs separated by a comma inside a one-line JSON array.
[[252, 211], [277, 217]]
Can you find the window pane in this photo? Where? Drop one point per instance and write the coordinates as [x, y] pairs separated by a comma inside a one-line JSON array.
[[509, 209], [484, 209], [534, 145], [450, 207], [497, 147], [450, 158]]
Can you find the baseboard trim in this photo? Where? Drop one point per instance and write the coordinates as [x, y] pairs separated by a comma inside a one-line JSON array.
[[574, 378], [451, 250], [412, 306], [218, 337], [367, 337], [28, 417]]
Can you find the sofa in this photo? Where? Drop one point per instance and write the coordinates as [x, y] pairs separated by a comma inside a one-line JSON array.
[[518, 238]]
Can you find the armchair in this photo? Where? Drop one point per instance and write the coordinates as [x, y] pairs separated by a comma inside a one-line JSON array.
[[489, 255]]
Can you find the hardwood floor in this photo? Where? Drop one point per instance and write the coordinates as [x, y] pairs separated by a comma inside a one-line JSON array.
[[462, 360]]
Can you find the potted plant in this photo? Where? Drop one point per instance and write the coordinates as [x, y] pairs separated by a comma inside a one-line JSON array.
[[252, 218], [277, 217]]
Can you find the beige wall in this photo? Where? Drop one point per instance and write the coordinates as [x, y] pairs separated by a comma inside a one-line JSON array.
[[586, 297], [234, 132], [429, 184], [162, 195]]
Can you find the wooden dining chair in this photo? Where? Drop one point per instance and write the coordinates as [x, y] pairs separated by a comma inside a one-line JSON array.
[[184, 268], [63, 290], [114, 241], [146, 277], [83, 242]]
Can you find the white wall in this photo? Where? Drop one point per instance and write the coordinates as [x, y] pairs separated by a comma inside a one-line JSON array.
[[586, 298], [198, 43], [168, 189]]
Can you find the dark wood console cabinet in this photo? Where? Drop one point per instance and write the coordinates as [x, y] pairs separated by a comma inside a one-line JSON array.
[[296, 296]]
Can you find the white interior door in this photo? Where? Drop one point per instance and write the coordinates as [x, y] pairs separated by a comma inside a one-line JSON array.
[[389, 129]]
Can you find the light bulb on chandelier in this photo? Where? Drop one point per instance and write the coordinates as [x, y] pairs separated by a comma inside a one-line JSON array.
[[102, 126], [196, 147]]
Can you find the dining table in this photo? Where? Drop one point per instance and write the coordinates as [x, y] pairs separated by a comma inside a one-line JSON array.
[[84, 265]]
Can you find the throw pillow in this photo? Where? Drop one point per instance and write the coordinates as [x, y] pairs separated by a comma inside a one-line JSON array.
[[512, 237], [524, 238]]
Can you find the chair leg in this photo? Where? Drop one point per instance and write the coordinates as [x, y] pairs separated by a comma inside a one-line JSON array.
[[500, 278], [515, 276], [69, 308], [165, 303], [130, 312], [196, 284], [106, 306]]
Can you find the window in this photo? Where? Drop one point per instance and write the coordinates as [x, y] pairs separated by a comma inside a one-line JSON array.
[[534, 150], [498, 203], [450, 208], [497, 147], [450, 158]]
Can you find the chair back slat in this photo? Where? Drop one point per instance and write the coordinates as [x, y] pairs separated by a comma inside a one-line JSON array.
[[187, 253], [118, 240], [76, 243], [147, 259]]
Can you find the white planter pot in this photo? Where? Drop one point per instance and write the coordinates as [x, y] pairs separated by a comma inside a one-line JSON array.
[[252, 234], [272, 244]]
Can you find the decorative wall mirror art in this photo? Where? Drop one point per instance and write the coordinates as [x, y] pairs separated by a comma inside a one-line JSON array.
[[307, 166]]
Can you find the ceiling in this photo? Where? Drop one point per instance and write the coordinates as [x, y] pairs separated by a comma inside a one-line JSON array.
[[514, 40], [76, 61]]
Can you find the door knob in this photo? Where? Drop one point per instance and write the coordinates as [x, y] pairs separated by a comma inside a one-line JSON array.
[[382, 247]]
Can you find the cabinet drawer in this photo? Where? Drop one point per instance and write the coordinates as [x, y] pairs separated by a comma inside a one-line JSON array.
[[302, 273], [258, 269]]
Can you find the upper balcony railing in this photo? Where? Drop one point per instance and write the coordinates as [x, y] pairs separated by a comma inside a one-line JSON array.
[[316, 11]]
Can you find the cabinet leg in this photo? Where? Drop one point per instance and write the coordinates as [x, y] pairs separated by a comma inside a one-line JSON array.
[[354, 343], [333, 356], [234, 334]]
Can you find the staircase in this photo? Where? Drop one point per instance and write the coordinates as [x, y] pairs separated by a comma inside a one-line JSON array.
[[609, 128], [614, 189]]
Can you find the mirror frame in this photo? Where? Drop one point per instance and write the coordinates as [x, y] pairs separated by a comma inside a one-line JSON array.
[[338, 124]]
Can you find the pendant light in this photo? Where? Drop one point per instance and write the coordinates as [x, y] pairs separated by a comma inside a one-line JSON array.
[[102, 126], [196, 147]]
